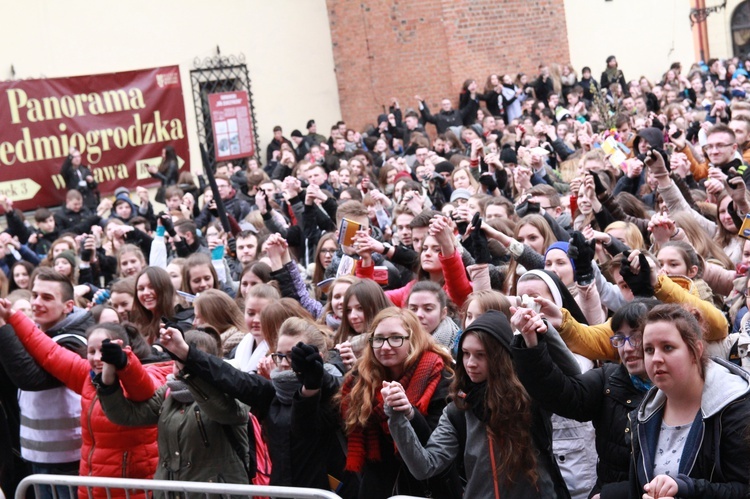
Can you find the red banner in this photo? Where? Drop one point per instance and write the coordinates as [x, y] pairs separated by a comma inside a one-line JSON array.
[[232, 124], [120, 122]]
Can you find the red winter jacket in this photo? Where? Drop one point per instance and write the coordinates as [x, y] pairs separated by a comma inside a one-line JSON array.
[[457, 285], [108, 450]]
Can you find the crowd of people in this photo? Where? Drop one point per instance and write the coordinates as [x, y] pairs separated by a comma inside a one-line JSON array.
[[540, 292]]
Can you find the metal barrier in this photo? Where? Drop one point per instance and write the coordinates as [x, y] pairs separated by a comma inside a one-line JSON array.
[[133, 486]]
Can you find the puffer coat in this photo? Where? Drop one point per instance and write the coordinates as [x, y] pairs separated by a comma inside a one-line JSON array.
[[108, 450]]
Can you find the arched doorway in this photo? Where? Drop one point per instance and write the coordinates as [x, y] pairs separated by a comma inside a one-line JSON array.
[[741, 30]]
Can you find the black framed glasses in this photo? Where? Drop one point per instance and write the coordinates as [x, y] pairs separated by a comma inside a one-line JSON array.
[[278, 358], [619, 340], [393, 341]]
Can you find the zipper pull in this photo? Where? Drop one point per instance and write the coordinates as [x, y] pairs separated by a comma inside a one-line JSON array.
[[201, 428]]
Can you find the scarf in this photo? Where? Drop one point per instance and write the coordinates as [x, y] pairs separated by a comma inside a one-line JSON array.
[[178, 390], [420, 382], [613, 74], [286, 385], [333, 322], [446, 332], [474, 399], [640, 384]]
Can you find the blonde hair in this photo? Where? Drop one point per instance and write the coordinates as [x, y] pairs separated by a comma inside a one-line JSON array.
[[633, 235], [308, 331]]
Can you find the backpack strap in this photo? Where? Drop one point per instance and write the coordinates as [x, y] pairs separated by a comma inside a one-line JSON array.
[[457, 417]]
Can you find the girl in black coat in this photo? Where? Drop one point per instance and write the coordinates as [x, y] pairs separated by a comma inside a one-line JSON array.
[[299, 421], [604, 395]]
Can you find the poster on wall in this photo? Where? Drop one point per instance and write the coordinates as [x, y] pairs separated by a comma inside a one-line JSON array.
[[232, 125], [120, 122]]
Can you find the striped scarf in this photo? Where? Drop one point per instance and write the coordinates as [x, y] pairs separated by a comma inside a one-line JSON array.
[[420, 382]]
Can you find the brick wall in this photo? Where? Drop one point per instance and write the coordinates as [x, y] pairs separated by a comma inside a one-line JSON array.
[[399, 48]]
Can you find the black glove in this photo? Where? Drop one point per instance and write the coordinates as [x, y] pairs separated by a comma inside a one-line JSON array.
[[480, 247], [582, 252], [215, 210], [232, 243], [489, 182], [112, 354], [527, 208], [307, 364], [598, 185], [640, 283], [166, 222]]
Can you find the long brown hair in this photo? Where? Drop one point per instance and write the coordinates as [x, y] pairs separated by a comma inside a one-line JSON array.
[[537, 221], [219, 311], [370, 373], [319, 273], [165, 293], [372, 299], [705, 246], [196, 260], [509, 408], [275, 314], [488, 299]]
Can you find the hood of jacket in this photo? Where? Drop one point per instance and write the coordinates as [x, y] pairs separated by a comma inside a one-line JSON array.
[[71, 331], [725, 383], [76, 322]]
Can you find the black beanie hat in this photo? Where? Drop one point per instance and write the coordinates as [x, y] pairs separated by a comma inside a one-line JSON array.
[[444, 167], [508, 155], [494, 323]]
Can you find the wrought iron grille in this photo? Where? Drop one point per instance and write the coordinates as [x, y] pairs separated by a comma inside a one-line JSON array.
[[213, 75]]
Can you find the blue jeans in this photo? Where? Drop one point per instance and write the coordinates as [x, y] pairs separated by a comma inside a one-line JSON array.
[[45, 491]]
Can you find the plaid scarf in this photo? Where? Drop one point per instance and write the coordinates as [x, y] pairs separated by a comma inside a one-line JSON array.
[[420, 382]]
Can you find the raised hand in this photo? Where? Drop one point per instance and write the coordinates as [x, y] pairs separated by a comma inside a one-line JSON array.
[[395, 397], [112, 353], [174, 343], [582, 251], [307, 364], [662, 227], [441, 230], [6, 309], [638, 274], [261, 201], [529, 323], [550, 311]]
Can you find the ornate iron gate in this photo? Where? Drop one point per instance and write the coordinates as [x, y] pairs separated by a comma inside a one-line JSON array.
[[213, 75]]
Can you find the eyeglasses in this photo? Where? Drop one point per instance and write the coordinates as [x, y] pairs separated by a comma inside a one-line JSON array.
[[278, 358], [619, 340], [709, 147], [328, 251], [393, 341]]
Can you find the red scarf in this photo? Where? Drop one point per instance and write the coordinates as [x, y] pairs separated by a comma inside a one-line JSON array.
[[419, 382]]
